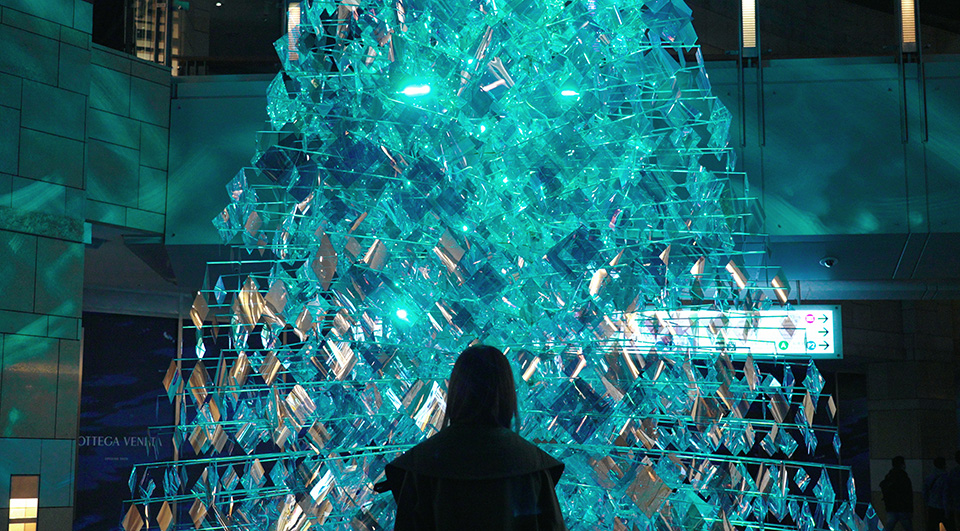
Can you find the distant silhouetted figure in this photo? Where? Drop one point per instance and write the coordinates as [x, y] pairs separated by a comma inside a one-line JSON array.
[[953, 495], [898, 496], [935, 495], [476, 474]]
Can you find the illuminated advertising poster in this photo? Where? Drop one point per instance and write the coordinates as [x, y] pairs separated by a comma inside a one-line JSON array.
[[121, 397]]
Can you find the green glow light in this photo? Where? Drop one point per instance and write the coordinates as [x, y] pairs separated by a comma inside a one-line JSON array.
[[416, 90]]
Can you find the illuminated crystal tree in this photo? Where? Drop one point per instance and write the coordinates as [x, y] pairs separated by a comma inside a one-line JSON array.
[[550, 177]]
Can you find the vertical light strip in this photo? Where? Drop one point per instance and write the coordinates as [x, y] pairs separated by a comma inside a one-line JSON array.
[[293, 29], [175, 41], [908, 25], [749, 23]]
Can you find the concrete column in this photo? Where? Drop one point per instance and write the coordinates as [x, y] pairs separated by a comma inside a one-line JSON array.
[[44, 87]]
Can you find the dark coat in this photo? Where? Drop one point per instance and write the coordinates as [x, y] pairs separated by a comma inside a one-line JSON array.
[[469, 477], [897, 491]]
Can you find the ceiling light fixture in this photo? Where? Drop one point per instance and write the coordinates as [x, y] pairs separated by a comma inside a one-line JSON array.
[[748, 27], [908, 25]]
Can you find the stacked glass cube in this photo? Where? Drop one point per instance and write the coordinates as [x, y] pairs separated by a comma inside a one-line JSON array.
[[553, 178]]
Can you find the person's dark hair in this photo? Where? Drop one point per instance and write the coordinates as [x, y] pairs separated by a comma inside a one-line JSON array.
[[481, 389], [899, 462]]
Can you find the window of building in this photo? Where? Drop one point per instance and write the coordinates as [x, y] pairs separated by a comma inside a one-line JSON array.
[[203, 37], [24, 500], [293, 29]]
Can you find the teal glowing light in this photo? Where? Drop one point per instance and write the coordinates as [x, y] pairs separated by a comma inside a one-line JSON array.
[[416, 90], [379, 235]]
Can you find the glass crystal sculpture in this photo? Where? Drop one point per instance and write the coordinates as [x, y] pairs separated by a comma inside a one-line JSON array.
[[550, 177]]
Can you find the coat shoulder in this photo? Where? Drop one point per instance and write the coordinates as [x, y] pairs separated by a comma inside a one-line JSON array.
[[469, 452]]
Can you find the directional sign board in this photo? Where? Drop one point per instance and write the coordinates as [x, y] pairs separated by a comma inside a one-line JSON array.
[[798, 332]]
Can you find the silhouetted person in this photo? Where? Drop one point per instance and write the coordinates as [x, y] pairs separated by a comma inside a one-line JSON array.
[[898, 496], [935, 495], [476, 474], [953, 495]]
